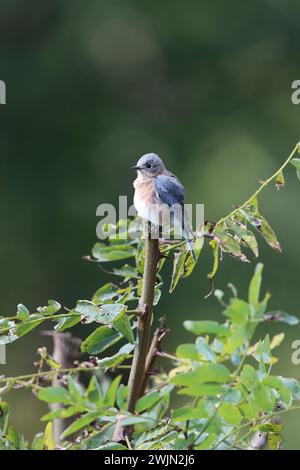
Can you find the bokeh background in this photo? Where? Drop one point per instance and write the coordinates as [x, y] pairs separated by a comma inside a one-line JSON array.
[[93, 85]]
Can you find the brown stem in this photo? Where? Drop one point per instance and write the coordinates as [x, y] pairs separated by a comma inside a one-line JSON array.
[[159, 334], [144, 324], [137, 371], [66, 350]]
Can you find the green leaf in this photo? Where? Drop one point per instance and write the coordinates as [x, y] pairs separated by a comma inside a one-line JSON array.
[[187, 351], [208, 440], [264, 397], [244, 235], [274, 440], [277, 340], [293, 386], [178, 268], [206, 327], [88, 310], [248, 376], [111, 446], [190, 261], [101, 339], [255, 285], [81, 423], [122, 324], [202, 390], [118, 358], [261, 307], [250, 409], [147, 401], [157, 296], [229, 243], [122, 396], [50, 309], [25, 327], [230, 413], [106, 293], [67, 322], [215, 249], [111, 394], [23, 313], [276, 382], [131, 420], [4, 415], [204, 349], [54, 395], [110, 312], [204, 373], [49, 437], [262, 352], [232, 395], [64, 412], [152, 435], [238, 311], [239, 335], [38, 442], [296, 163], [127, 271], [104, 253], [260, 223], [269, 427], [75, 390], [14, 437], [140, 256], [187, 413], [94, 391]]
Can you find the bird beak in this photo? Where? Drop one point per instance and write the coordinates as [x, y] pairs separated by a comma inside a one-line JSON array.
[[136, 167]]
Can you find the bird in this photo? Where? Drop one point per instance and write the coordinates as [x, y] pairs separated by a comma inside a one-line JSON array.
[[159, 197]]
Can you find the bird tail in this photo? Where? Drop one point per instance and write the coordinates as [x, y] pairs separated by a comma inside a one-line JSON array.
[[182, 223], [187, 232], [189, 244]]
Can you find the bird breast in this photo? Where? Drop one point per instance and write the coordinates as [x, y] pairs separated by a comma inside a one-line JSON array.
[[147, 203]]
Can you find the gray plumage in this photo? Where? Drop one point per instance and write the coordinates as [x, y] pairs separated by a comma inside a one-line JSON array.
[[169, 189]]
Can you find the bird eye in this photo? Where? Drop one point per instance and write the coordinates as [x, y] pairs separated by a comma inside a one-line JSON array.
[[148, 165]]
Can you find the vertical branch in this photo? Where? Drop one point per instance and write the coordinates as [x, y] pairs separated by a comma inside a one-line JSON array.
[[137, 372], [65, 351], [159, 334]]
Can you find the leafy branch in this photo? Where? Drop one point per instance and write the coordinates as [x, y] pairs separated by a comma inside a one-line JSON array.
[[26, 380], [228, 393], [262, 186]]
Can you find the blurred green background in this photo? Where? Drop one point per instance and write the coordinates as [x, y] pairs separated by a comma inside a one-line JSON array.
[[93, 85]]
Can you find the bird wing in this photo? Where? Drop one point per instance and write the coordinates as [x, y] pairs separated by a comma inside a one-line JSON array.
[[169, 190]]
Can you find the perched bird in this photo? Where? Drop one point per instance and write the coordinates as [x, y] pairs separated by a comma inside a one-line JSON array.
[[159, 197]]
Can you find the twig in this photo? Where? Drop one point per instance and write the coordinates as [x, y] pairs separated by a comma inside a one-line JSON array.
[[158, 336], [53, 317], [50, 373], [262, 186]]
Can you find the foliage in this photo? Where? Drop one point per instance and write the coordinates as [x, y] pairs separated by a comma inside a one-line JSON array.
[[224, 375]]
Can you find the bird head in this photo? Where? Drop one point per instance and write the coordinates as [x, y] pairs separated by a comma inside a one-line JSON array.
[[150, 165]]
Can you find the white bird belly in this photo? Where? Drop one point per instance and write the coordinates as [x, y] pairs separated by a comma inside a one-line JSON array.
[[158, 214]]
